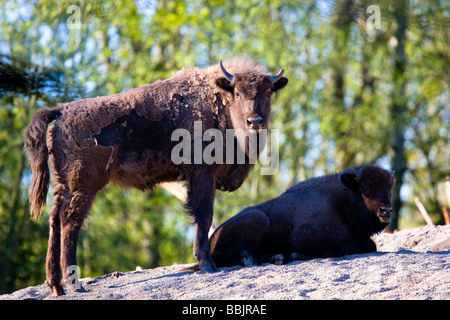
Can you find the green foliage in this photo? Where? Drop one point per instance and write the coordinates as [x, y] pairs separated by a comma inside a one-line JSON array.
[[354, 96]]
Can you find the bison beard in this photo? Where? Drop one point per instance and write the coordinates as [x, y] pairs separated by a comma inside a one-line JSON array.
[[126, 138], [323, 217]]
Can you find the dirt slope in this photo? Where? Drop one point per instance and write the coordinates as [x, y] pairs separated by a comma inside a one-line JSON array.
[[411, 264]]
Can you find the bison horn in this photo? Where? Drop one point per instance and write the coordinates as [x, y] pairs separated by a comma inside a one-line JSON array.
[[277, 77], [227, 75]]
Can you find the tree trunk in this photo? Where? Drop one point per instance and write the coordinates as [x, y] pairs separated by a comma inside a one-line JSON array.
[[398, 109]]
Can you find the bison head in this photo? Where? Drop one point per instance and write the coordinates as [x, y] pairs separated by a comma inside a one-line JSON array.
[[251, 91], [374, 185]]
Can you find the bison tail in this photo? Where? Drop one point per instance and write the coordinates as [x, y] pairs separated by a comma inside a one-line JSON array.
[[36, 148]]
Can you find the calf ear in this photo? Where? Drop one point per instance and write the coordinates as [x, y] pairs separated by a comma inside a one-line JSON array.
[[349, 177], [224, 84], [280, 84], [393, 177]]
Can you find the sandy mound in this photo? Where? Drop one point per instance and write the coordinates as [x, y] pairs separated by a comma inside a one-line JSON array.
[[411, 264]]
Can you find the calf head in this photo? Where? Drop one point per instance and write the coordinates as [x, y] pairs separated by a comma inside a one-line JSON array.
[[374, 185], [251, 92]]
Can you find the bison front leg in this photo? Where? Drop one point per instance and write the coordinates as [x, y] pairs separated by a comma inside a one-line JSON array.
[[200, 203]]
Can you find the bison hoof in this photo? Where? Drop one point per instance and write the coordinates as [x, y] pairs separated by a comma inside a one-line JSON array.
[[207, 266], [247, 259], [298, 256], [208, 269], [277, 259], [80, 289], [55, 289]]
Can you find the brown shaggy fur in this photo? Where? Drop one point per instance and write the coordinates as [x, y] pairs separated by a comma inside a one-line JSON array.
[[328, 216], [126, 138]]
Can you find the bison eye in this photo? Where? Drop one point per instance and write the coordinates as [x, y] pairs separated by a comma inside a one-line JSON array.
[[365, 189], [268, 94], [236, 93]]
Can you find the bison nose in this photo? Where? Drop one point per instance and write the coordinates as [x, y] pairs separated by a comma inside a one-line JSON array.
[[255, 123], [385, 214]]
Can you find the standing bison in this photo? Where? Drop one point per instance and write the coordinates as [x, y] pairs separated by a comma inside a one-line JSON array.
[[329, 216], [127, 138]]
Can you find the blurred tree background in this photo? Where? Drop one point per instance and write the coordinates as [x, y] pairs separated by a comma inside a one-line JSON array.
[[356, 95]]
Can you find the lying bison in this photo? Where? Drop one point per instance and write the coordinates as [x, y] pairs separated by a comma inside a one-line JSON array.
[[127, 138], [329, 216]]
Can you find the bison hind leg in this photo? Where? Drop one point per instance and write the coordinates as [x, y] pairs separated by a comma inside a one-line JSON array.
[[278, 259], [298, 256], [247, 259], [239, 240]]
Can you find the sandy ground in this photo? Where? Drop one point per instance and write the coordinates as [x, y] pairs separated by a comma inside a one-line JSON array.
[[411, 264]]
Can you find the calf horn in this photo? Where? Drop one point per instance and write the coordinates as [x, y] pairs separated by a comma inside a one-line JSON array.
[[227, 75], [277, 76], [230, 77]]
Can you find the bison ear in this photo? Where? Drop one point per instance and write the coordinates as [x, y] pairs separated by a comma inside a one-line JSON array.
[[393, 177], [349, 177], [280, 84], [224, 84]]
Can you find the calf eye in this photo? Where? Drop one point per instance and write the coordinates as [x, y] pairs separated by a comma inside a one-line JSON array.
[[236, 93]]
